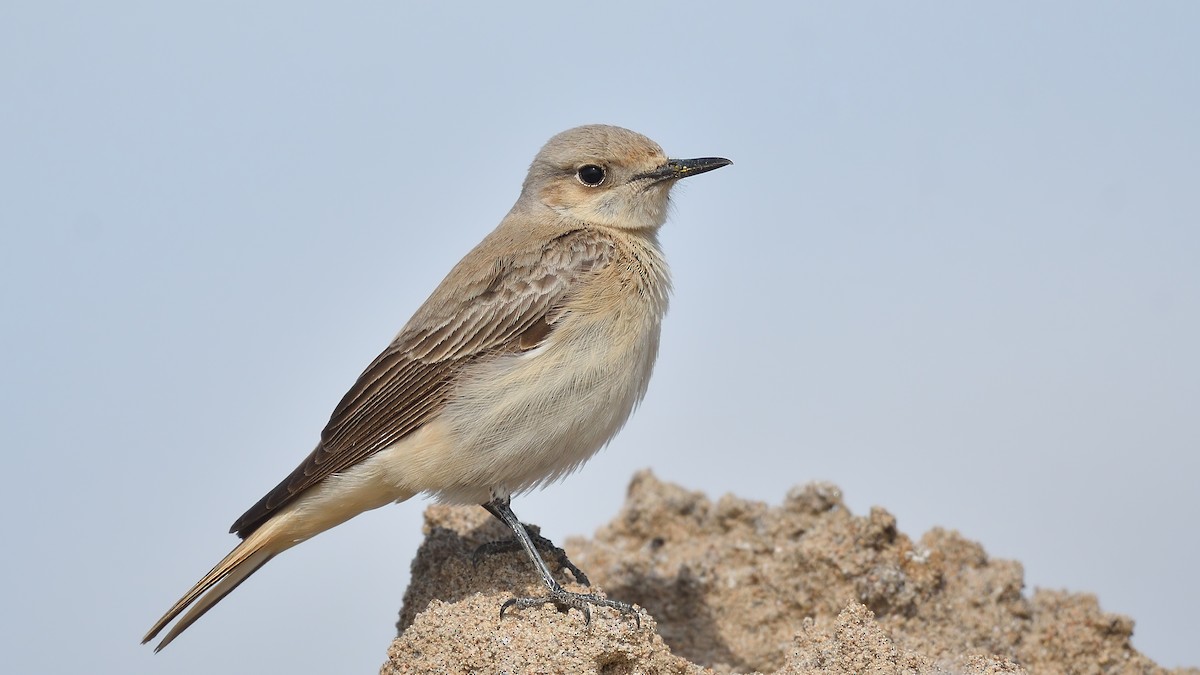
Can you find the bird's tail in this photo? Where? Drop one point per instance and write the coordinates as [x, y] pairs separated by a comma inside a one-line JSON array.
[[242, 561], [340, 498]]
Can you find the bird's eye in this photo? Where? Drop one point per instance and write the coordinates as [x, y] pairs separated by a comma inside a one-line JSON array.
[[590, 175]]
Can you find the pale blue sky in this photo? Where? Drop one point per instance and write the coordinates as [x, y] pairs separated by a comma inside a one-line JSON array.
[[955, 269]]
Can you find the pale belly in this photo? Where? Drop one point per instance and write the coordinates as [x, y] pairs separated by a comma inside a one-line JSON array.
[[520, 421]]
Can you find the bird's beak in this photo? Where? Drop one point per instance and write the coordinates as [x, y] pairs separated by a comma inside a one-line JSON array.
[[675, 169]]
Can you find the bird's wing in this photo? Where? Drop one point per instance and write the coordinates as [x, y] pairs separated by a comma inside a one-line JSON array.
[[509, 307]]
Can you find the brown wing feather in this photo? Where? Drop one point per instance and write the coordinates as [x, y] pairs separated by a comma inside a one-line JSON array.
[[513, 308]]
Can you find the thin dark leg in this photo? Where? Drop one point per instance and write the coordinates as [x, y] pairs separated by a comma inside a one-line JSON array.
[[561, 598], [539, 542]]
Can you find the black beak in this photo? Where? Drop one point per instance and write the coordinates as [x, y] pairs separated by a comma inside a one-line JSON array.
[[675, 169]]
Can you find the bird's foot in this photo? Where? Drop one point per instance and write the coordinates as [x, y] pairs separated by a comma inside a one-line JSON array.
[[541, 543], [565, 600]]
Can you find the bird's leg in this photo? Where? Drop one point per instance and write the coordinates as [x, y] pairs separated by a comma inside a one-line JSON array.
[[539, 542], [560, 597]]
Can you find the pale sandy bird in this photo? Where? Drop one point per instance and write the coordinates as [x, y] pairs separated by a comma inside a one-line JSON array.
[[524, 362]]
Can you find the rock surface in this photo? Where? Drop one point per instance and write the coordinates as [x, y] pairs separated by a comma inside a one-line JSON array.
[[737, 586]]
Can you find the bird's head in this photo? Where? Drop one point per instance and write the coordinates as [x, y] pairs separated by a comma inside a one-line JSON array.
[[605, 175]]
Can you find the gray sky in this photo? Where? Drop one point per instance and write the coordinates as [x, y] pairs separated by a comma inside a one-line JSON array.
[[954, 269]]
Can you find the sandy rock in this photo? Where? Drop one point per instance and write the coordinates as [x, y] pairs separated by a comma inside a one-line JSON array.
[[738, 586]]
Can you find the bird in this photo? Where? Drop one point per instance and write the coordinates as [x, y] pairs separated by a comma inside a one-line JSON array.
[[524, 361]]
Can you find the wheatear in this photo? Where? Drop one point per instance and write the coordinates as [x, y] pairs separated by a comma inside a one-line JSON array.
[[524, 362]]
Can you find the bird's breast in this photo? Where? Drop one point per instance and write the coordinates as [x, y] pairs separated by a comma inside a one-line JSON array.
[[520, 420]]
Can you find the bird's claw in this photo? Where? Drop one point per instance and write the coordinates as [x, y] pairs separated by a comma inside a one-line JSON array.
[[564, 600]]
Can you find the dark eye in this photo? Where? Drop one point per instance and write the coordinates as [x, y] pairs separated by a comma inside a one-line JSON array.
[[590, 175]]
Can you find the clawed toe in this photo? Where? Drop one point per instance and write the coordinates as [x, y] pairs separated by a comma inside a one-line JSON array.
[[565, 600], [533, 543]]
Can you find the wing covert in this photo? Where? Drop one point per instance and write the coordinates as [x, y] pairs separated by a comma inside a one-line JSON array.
[[513, 305]]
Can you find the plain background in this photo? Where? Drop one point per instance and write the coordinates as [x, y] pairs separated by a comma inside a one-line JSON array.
[[955, 269]]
